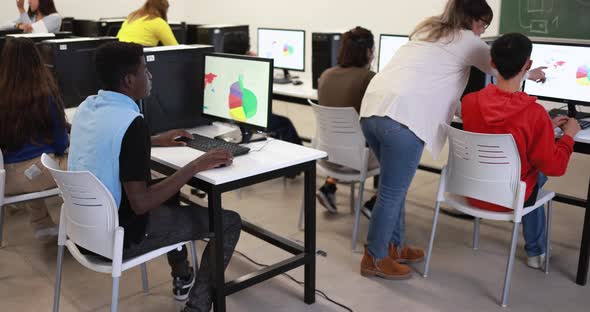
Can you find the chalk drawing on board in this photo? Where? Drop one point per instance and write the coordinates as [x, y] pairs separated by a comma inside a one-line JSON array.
[[537, 15]]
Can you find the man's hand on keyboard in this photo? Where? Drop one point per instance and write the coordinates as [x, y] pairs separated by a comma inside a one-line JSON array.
[[559, 121], [213, 159], [170, 138]]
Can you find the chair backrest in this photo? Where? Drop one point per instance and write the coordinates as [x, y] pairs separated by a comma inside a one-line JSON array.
[[483, 166], [339, 134], [90, 212], [2, 179]]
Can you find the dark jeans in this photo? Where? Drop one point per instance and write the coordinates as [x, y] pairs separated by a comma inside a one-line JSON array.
[[171, 224], [282, 128]]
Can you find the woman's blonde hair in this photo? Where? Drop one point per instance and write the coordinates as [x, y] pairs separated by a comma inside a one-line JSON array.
[[458, 14], [152, 9]]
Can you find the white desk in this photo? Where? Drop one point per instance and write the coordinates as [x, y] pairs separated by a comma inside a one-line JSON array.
[[266, 161], [297, 94]]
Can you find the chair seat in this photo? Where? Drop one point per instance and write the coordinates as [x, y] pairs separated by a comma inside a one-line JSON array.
[[344, 175], [460, 203], [99, 264], [31, 196]]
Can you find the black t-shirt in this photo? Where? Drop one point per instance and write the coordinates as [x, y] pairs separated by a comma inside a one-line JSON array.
[[134, 165]]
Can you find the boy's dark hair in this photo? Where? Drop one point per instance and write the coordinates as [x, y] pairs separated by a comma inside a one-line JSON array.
[[236, 42], [510, 53], [353, 51], [115, 60]]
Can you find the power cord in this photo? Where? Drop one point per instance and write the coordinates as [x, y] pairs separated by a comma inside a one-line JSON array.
[[319, 292]]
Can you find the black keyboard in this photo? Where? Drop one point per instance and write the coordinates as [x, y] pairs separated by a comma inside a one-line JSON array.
[[584, 124], [206, 144]]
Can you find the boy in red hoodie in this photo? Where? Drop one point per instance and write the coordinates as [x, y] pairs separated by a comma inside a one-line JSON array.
[[502, 108]]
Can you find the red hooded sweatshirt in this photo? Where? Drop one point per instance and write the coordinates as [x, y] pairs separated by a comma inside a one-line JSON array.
[[494, 111]]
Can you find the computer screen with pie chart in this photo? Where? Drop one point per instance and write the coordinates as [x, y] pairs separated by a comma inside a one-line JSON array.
[[238, 90], [568, 73]]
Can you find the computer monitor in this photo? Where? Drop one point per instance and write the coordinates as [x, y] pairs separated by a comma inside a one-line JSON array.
[[238, 90], [286, 47], [388, 46], [176, 99], [214, 34], [72, 63], [568, 74]]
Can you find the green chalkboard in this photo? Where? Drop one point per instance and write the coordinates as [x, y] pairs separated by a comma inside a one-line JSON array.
[[547, 18]]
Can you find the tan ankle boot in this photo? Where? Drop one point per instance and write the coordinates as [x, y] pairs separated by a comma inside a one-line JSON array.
[[408, 254], [385, 268]]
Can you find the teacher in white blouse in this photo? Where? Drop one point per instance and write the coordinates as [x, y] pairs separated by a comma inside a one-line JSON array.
[[402, 112], [41, 17]]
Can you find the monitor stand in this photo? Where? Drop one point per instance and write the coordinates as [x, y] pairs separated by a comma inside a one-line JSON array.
[[286, 78], [573, 112], [246, 136]]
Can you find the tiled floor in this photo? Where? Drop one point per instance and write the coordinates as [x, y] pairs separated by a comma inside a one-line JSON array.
[[460, 280]]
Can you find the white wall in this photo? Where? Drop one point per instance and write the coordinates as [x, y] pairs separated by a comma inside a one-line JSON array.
[[94, 9], [380, 16]]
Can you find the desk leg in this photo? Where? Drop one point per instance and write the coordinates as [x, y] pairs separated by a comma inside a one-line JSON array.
[[216, 260], [310, 233], [585, 247]]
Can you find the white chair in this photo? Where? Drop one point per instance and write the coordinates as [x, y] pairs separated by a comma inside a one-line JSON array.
[[339, 134], [486, 167], [7, 200], [89, 218]]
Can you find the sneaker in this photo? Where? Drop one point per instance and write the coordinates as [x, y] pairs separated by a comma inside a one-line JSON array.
[[326, 195], [536, 262], [367, 209], [47, 233], [181, 287], [407, 254], [386, 268]]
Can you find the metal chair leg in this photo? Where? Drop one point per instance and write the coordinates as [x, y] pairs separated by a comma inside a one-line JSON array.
[[115, 295], [1, 226], [352, 197], [431, 243], [510, 266], [57, 290], [476, 234], [357, 215], [195, 258], [301, 223], [548, 236], [144, 279]]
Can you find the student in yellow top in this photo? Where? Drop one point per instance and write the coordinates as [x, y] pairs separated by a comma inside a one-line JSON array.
[[148, 26]]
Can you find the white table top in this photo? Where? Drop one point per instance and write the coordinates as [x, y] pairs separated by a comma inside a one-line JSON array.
[[303, 91], [264, 157]]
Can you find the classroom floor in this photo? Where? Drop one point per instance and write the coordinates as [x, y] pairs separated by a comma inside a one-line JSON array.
[[460, 280]]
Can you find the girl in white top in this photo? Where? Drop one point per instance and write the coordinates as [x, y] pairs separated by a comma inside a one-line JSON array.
[[402, 112], [41, 17]]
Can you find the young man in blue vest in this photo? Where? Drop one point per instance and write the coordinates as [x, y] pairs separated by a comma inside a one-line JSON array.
[[111, 139]]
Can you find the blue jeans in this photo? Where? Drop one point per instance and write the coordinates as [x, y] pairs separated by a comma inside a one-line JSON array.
[[399, 151], [534, 225]]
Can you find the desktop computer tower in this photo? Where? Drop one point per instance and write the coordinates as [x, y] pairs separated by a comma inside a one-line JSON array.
[[177, 87], [86, 28], [72, 64], [214, 34], [325, 48]]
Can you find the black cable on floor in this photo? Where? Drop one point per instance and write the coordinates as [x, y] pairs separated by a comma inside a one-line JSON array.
[[319, 292]]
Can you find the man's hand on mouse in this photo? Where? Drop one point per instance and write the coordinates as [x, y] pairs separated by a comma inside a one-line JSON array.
[[213, 159], [168, 138]]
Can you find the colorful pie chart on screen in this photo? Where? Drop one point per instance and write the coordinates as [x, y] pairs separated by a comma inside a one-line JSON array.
[[243, 103], [583, 75]]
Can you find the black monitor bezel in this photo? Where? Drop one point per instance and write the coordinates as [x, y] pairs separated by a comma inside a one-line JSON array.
[[380, 40], [284, 29], [232, 121], [552, 99]]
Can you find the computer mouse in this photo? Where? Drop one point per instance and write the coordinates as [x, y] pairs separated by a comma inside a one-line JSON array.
[[297, 82], [182, 139]]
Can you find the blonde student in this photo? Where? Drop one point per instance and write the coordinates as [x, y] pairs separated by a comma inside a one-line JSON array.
[[148, 26]]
